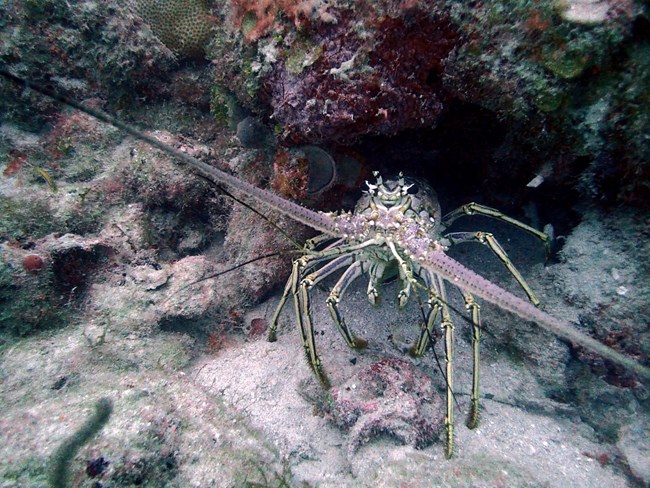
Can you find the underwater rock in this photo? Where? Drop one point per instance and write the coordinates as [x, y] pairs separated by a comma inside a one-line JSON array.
[[634, 443], [589, 12], [255, 18], [38, 287], [343, 72], [253, 134], [381, 82], [390, 397], [86, 49], [74, 260], [612, 250], [564, 77], [561, 84]]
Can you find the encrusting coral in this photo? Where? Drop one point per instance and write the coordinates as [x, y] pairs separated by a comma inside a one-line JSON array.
[[331, 72], [256, 17]]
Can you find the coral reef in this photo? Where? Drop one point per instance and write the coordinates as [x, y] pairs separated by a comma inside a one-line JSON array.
[[82, 48], [561, 78], [342, 72], [126, 259], [149, 216], [354, 89], [256, 18], [564, 77]]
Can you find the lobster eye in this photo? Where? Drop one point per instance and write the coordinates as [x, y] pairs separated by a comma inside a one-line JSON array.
[[412, 189]]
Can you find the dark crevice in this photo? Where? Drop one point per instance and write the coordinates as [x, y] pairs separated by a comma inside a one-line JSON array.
[[469, 157]]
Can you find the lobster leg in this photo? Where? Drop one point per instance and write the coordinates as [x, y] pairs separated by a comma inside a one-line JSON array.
[[311, 259], [434, 306], [477, 209], [475, 311], [348, 277], [448, 328], [272, 337], [299, 288], [301, 301], [490, 241]]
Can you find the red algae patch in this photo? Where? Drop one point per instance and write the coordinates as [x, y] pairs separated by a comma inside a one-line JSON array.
[[33, 263]]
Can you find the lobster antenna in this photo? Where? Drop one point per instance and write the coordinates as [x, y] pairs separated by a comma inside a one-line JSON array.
[[231, 269], [432, 341], [259, 214], [246, 191]]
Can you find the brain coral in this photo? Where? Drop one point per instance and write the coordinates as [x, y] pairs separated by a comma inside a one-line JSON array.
[[182, 25]]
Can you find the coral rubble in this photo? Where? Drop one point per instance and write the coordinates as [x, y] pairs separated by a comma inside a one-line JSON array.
[[391, 398]]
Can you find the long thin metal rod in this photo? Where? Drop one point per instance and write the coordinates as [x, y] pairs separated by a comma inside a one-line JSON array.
[[242, 188]]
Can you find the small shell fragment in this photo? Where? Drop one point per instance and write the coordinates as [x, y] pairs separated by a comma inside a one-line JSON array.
[[587, 12], [535, 182]]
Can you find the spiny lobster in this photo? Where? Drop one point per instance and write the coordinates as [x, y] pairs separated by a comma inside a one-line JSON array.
[[392, 226]]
